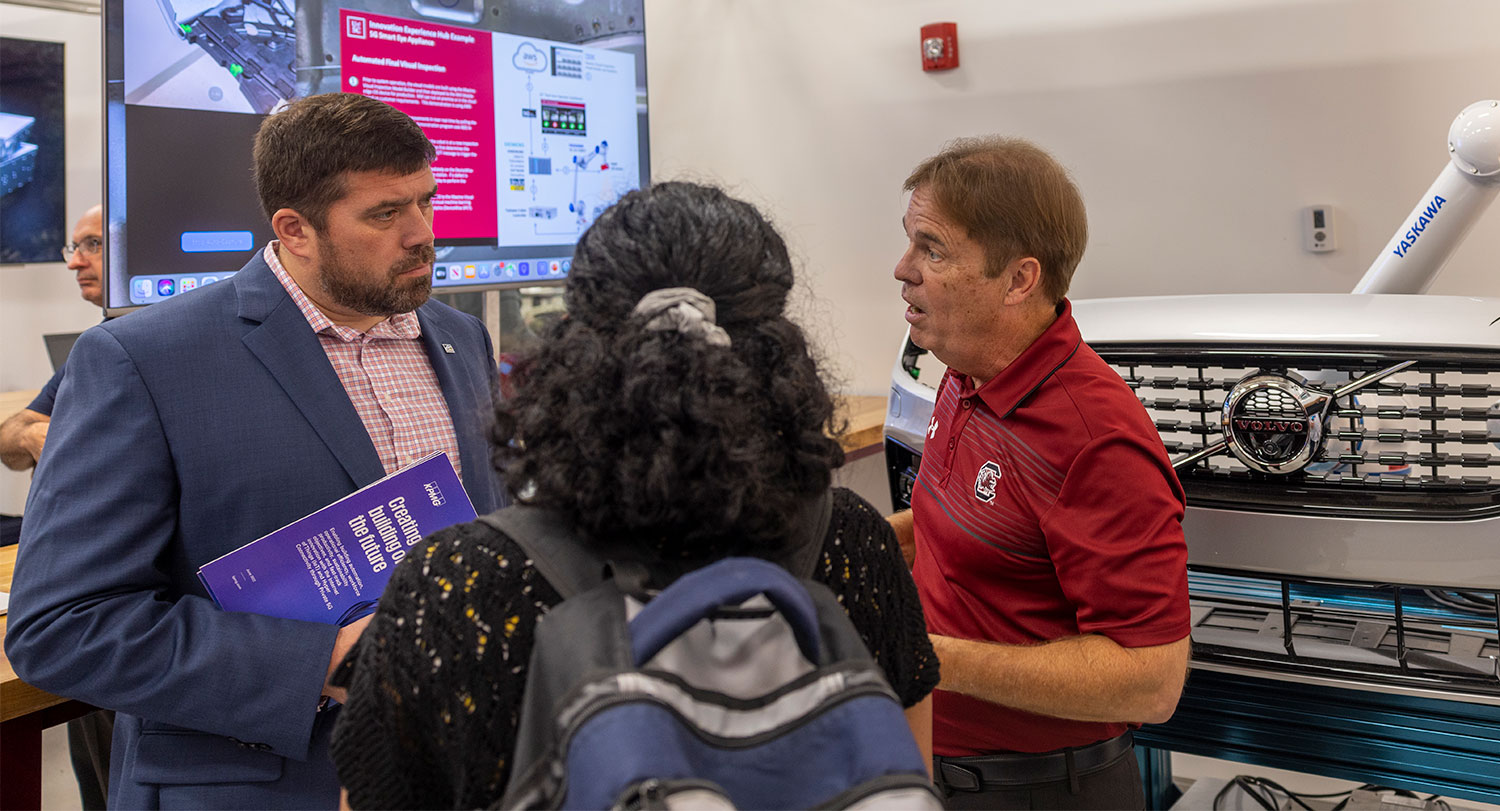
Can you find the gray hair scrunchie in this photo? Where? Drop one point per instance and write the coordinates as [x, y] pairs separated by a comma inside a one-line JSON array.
[[683, 310]]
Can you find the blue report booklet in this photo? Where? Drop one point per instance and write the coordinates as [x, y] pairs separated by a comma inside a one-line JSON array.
[[332, 565]]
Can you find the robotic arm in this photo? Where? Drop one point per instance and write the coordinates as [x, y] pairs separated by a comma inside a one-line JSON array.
[[1273, 421], [1451, 206]]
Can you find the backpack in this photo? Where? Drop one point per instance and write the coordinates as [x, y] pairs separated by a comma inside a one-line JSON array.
[[737, 686]]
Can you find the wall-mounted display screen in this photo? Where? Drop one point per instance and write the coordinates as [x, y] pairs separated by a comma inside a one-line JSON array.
[[33, 190], [537, 111]]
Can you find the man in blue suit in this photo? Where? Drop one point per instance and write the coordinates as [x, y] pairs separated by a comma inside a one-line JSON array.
[[206, 421]]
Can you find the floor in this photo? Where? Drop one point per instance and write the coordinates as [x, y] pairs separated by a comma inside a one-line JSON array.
[[60, 793]]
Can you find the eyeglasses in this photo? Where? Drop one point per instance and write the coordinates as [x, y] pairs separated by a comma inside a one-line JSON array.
[[90, 246]]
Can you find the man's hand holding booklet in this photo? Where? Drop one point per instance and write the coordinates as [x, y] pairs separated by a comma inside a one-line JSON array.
[[332, 565]]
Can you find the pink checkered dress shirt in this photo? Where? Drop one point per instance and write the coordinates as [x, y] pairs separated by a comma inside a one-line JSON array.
[[389, 379]]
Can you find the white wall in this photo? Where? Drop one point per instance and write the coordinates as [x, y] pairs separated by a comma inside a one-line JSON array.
[[42, 298], [1197, 130]]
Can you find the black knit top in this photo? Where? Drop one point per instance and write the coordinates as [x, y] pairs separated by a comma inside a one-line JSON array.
[[435, 682]]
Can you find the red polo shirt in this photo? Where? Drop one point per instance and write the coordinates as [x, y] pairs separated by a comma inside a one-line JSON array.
[[1045, 507]]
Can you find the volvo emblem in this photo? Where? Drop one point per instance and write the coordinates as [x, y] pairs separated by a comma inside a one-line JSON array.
[[1274, 423]]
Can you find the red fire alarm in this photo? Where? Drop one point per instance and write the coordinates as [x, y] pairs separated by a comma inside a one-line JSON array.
[[940, 46]]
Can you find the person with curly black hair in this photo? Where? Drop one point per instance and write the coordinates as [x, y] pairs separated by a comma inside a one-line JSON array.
[[676, 410]]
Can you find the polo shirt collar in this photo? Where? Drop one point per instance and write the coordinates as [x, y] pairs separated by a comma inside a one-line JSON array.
[[1035, 365]]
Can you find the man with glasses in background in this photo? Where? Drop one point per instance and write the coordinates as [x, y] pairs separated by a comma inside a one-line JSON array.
[[21, 438], [23, 433]]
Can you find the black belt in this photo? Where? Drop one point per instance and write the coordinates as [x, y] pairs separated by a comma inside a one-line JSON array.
[[982, 772]]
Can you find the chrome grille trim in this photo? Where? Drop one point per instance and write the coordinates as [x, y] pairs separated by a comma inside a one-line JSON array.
[[1412, 435]]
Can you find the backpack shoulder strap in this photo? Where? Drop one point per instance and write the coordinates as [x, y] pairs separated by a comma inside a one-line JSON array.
[[556, 551], [809, 528], [572, 568]]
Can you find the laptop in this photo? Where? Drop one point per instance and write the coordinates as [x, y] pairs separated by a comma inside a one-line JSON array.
[[58, 346]]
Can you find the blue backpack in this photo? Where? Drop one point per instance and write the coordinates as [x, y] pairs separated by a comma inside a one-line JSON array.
[[737, 686]]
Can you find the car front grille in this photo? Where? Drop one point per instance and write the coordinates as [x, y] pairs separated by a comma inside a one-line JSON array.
[[1423, 443], [1353, 633], [1286, 596]]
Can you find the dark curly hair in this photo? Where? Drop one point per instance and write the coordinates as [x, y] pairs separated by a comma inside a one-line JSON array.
[[656, 439]]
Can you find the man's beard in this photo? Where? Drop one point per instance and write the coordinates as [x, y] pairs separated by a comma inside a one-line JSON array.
[[353, 288]]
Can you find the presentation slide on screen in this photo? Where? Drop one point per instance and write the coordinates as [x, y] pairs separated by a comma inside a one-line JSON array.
[[443, 78], [205, 55], [568, 139], [534, 138]]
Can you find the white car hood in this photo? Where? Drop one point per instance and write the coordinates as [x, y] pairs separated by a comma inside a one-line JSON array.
[[1306, 318]]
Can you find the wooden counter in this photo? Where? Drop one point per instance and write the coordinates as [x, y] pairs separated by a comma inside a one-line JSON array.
[[13, 401], [17, 698], [24, 712], [866, 417]]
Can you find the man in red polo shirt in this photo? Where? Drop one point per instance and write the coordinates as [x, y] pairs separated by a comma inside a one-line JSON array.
[[1045, 531]]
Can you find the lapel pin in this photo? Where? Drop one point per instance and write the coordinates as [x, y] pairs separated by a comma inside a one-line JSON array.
[[448, 348]]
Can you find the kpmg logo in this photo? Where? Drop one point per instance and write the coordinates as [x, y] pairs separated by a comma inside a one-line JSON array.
[[434, 494]]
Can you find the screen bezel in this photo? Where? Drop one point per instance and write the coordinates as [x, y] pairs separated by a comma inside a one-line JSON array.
[[116, 154]]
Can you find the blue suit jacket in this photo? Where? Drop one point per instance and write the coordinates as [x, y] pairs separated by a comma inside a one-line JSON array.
[[181, 433]]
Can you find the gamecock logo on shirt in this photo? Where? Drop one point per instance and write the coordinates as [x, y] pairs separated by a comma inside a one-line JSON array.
[[984, 483]]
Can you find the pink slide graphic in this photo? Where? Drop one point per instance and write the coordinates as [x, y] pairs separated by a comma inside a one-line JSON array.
[[443, 78]]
